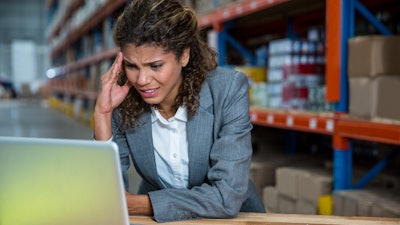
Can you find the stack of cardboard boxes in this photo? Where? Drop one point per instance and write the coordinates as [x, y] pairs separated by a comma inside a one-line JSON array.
[[298, 190], [301, 189], [367, 202], [379, 198], [374, 77]]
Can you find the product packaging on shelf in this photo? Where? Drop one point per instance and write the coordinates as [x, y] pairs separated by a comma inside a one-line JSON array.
[[258, 84], [295, 67], [298, 79]]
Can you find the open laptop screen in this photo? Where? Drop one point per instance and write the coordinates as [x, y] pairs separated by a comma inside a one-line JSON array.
[[60, 181]]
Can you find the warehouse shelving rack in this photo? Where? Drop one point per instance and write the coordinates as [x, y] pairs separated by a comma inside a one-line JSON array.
[[339, 15], [102, 12]]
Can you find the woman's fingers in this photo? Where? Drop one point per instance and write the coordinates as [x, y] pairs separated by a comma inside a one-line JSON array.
[[117, 66]]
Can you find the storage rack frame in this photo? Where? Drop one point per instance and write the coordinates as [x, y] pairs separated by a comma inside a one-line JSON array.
[[337, 124]]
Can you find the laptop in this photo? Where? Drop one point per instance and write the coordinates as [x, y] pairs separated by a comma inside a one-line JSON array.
[[60, 182]]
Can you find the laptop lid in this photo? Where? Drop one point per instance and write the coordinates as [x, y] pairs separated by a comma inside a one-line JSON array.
[[60, 181]]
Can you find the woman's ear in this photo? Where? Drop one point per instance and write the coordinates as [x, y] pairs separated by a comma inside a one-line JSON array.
[[185, 57]]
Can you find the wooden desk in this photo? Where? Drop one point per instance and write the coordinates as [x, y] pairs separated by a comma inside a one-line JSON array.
[[279, 219]]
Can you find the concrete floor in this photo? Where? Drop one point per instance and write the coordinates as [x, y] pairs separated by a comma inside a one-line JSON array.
[[34, 118]]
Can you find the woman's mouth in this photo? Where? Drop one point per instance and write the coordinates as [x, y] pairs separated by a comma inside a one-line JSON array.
[[148, 93]]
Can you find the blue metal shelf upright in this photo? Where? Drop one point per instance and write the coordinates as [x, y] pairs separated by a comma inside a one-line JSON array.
[[339, 30]]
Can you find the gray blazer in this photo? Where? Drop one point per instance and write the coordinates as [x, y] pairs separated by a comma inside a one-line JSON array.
[[220, 151]]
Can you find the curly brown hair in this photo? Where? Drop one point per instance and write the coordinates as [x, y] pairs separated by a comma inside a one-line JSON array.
[[170, 25]]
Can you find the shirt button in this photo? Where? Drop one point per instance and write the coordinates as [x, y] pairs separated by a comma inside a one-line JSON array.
[[174, 155]]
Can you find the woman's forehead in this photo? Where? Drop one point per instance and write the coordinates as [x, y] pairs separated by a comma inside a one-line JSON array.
[[146, 53]]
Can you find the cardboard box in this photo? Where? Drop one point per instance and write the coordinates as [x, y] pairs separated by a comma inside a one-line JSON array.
[[391, 209], [385, 92], [375, 97], [350, 203], [364, 207], [286, 204], [306, 207], [377, 211], [312, 184], [345, 203], [388, 201], [262, 174], [286, 181], [373, 55], [270, 199], [360, 96], [377, 203], [338, 203]]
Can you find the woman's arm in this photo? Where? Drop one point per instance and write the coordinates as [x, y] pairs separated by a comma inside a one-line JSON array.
[[139, 204], [109, 97]]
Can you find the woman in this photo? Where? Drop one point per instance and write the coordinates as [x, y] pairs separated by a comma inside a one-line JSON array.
[[184, 122]]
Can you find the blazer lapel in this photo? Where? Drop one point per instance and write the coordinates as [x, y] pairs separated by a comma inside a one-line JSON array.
[[140, 141], [200, 135]]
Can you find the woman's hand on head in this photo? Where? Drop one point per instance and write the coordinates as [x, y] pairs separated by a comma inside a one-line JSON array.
[[111, 94]]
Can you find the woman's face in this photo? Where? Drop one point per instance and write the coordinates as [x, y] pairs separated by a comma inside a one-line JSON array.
[[154, 73]]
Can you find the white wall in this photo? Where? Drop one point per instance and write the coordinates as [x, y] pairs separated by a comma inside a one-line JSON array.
[[23, 63]]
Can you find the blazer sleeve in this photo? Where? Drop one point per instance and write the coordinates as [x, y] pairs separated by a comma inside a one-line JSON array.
[[230, 156]]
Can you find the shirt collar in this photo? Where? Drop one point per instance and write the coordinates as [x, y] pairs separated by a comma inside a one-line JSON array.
[[181, 114]]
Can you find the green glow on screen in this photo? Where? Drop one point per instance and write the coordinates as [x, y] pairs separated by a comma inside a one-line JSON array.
[[59, 194]]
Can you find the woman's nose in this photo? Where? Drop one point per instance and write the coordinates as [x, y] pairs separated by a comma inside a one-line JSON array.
[[143, 77]]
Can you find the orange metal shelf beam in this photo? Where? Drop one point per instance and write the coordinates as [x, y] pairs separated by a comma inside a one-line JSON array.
[[301, 121], [92, 21], [329, 123], [369, 130], [236, 10]]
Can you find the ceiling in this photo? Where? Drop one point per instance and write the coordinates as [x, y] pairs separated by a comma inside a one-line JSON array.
[[22, 19]]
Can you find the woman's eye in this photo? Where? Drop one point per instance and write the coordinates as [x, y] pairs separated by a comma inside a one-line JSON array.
[[156, 66], [131, 66]]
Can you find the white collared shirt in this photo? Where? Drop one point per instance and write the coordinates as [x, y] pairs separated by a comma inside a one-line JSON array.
[[171, 148]]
